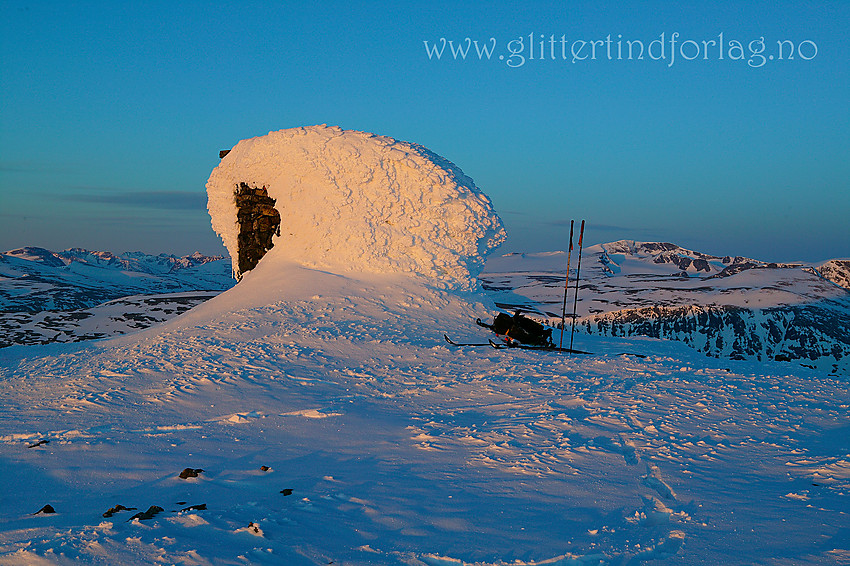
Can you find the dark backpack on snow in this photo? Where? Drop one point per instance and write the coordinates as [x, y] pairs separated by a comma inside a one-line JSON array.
[[522, 329]]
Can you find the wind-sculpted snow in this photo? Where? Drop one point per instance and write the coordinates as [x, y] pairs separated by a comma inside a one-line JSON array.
[[356, 202], [326, 421]]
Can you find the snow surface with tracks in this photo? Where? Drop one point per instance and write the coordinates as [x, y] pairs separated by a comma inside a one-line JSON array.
[[333, 424]]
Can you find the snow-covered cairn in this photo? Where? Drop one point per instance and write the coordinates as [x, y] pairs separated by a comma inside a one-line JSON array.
[[356, 202]]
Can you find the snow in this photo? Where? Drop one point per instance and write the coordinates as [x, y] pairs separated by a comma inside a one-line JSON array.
[[425, 453], [353, 201], [335, 383]]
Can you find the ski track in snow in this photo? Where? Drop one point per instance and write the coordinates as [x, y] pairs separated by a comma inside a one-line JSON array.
[[402, 450]]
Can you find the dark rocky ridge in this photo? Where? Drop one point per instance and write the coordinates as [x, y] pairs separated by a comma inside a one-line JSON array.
[[258, 221], [815, 334], [837, 271], [115, 317]]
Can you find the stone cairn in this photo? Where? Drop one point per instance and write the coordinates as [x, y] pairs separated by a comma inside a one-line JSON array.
[[258, 222]]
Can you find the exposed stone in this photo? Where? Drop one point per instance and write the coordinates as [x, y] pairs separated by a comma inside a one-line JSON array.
[[837, 271], [190, 473], [152, 511], [112, 510], [258, 221], [46, 509]]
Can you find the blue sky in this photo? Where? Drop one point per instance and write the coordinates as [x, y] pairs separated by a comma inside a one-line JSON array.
[[111, 116]]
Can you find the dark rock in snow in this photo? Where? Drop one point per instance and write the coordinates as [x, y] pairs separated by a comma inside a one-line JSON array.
[[190, 473], [286, 491], [113, 510], [47, 509], [794, 332], [39, 443], [110, 318], [152, 511]]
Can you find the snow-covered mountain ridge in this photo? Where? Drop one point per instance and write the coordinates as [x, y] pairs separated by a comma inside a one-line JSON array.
[[128, 261], [692, 263], [731, 307], [837, 271], [34, 279]]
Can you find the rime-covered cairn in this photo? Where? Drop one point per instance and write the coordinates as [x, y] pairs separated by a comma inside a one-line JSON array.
[[351, 202]]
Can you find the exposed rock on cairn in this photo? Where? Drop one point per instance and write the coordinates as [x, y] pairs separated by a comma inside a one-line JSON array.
[[258, 222]]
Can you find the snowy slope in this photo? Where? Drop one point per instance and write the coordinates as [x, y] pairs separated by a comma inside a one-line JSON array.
[[333, 424], [400, 450], [729, 307], [35, 280]]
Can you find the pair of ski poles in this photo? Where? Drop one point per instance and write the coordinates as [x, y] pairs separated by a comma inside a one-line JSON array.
[[567, 285]]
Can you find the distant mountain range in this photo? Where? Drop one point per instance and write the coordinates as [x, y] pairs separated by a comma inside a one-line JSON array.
[[77, 294], [35, 279], [731, 307]]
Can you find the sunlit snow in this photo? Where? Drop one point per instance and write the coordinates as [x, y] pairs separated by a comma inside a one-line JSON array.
[[327, 421]]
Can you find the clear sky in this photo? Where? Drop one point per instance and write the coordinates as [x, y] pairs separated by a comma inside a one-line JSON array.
[[112, 114]]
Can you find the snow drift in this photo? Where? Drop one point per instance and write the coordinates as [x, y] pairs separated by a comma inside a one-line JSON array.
[[357, 202]]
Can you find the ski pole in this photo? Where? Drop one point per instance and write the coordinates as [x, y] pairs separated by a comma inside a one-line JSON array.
[[566, 287], [578, 272]]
